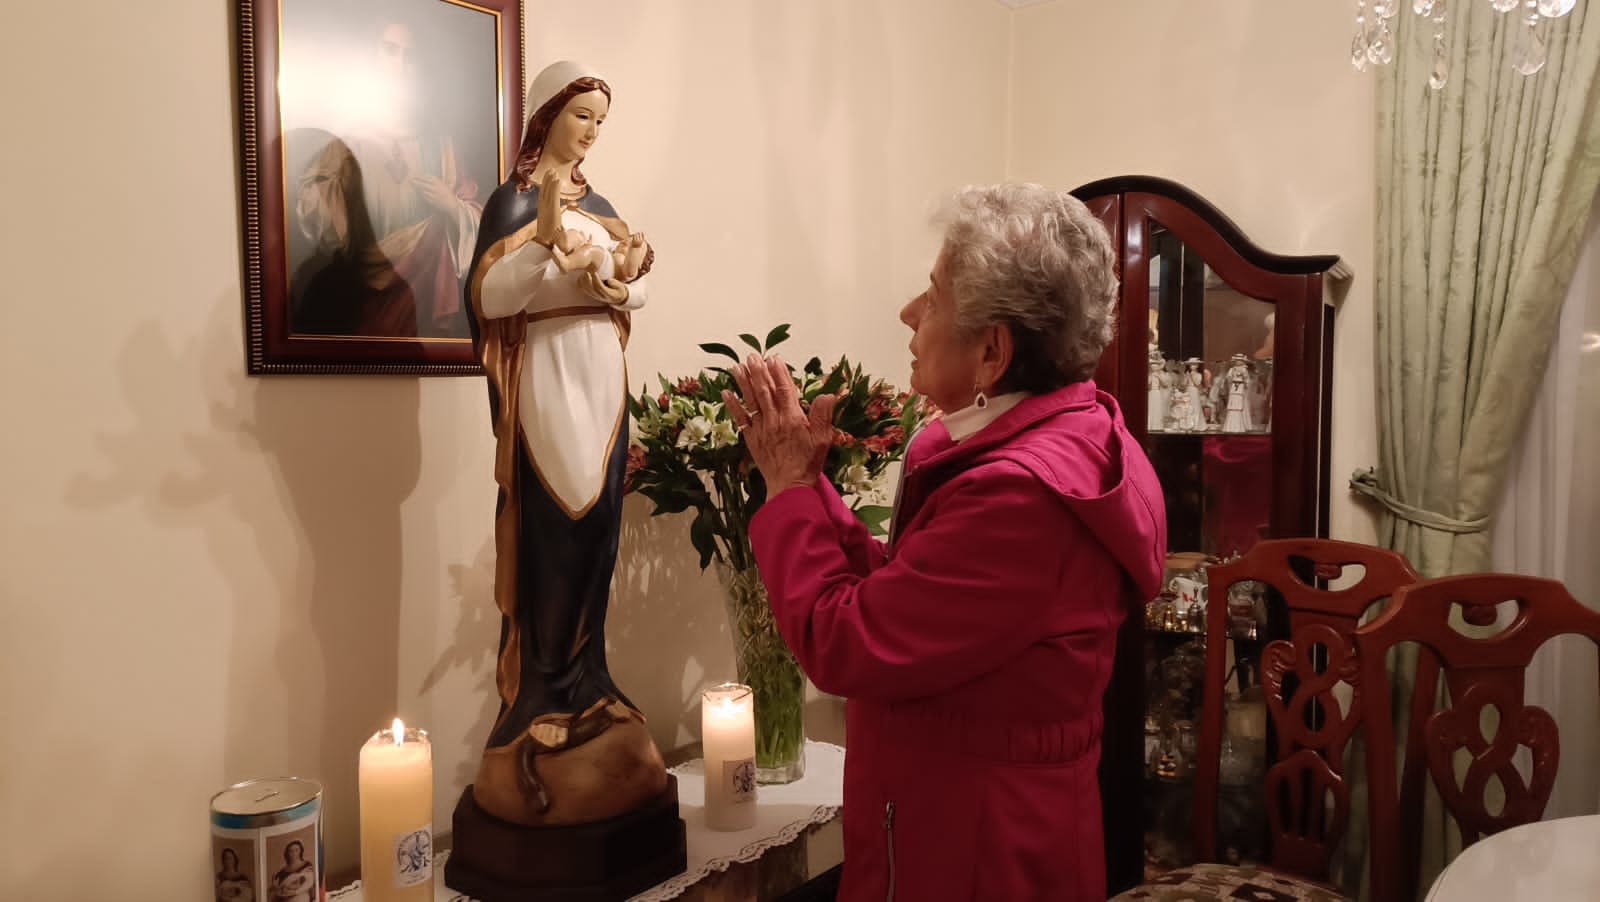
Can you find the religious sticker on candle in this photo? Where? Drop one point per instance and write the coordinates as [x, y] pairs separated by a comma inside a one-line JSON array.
[[740, 777], [413, 857]]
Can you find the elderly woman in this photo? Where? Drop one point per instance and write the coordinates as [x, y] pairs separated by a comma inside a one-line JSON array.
[[974, 647]]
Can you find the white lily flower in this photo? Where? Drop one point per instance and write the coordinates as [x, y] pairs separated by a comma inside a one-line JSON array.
[[723, 434], [856, 479], [695, 432]]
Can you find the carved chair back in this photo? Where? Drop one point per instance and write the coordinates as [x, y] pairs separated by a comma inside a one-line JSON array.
[[1483, 629], [1306, 796]]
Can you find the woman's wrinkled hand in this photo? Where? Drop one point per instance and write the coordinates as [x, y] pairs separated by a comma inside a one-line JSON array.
[[787, 444]]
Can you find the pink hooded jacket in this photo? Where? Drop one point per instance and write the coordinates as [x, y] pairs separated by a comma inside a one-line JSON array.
[[975, 649]]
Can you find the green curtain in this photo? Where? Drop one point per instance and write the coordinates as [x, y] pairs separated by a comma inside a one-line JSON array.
[[1483, 191]]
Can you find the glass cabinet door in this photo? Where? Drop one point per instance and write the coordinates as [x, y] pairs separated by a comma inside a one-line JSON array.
[[1208, 414], [1208, 433]]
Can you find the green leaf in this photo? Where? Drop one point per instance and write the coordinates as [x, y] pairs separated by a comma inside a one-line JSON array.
[[875, 517], [750, 340], [703, 537], [777, 336], [814, 366], [716, 347], [669, 501]]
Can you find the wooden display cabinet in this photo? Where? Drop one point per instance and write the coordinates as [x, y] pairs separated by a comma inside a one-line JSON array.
[[1222, 365]]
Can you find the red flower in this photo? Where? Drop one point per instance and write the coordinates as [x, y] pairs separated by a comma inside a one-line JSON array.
[[687, 386], [635, 463], [663, 401], [877, 444], [842, 439]]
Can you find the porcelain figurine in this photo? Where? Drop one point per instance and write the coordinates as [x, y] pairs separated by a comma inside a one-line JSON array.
[[1237, 390], [1158, 387]]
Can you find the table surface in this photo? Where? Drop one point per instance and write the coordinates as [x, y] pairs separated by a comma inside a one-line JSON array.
[[800, 871], [1553, 860]]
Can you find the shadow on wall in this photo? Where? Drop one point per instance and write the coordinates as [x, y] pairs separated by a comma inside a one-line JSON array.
[[472, 647], [667, 630], [312, 472]]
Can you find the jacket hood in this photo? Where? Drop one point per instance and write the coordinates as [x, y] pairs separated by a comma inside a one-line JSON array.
[[1075, 442]]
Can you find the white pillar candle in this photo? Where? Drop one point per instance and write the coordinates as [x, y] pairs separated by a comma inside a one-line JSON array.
[[396, 782], [728, 733]]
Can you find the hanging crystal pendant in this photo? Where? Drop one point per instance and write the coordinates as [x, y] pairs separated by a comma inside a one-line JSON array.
[[1529, 56], [1381, 49], [1358, 46], [1423, 7], [1555, 9], [1358, 51], [1440, 73], [1503, 6]]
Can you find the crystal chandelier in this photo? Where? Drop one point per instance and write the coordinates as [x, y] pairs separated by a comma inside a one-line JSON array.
[[1374, 41]]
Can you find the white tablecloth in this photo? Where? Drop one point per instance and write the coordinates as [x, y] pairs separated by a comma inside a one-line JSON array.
[[1548, 861], [783, 812]]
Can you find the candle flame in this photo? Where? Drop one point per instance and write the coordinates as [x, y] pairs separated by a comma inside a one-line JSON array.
[[399, 730]]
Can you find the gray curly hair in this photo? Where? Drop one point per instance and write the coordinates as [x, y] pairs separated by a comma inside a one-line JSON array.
[[1036, 260]]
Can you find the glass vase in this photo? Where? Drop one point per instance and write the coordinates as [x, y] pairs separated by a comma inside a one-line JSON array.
[[768, 667]]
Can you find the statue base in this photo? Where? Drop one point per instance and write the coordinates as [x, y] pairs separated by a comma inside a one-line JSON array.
[[495, 861]]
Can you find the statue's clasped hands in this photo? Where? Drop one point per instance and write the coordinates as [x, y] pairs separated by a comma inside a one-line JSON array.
[[573, 252]]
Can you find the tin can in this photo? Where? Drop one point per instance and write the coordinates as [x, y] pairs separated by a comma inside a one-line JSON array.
[[266, 841]]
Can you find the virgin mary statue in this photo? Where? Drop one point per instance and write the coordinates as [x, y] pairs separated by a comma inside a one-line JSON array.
[[553, 280]]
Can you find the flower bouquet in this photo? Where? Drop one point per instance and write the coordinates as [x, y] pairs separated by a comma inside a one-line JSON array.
[[687, 456]]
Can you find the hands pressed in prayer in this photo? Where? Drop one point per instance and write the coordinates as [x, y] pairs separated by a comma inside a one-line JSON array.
[[788, 445], [547, 227]]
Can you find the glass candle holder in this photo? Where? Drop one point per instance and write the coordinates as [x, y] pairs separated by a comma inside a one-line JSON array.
[[728, 733]]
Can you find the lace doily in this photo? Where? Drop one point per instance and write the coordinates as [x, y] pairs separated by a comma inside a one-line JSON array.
[[784, 813]]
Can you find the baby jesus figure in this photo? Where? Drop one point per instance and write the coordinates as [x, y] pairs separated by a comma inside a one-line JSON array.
[[573, 251]]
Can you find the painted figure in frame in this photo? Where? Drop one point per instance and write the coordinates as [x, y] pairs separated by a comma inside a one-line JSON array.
[[385, 210], [553, 279]]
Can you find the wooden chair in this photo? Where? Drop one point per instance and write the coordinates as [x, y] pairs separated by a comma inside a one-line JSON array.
[[1310, 728], [1479, 672]]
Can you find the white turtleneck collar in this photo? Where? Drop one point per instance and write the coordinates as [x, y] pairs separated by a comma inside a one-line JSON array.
[[970, 420]]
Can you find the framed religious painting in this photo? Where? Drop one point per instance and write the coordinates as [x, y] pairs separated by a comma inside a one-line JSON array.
[[373, 132]]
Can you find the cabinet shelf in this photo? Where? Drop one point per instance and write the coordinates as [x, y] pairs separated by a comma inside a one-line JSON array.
[[1230, 436]]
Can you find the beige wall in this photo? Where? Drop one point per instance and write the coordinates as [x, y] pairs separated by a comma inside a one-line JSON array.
[[1252, 104], [208, 577]]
